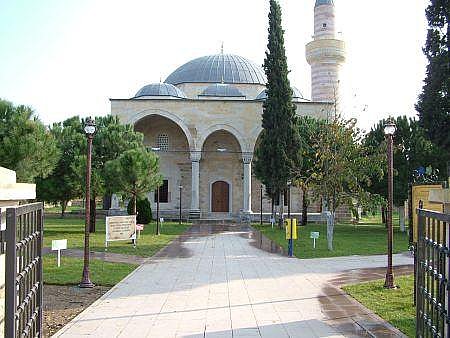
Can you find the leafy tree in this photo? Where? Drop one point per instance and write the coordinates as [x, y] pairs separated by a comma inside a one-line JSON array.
[[133, 174], [110, 140], [26, 146], [309, 130], [411, 151], [434, 104], [61, 185], [143, 210], [278, 151], [344, 166]]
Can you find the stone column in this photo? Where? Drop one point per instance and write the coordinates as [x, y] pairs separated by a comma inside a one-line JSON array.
[[195, 196], [247, 159]]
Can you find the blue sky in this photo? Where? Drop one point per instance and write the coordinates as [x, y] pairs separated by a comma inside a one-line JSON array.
[[69, 57]]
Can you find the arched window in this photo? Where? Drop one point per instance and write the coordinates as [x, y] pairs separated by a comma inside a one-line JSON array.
[[162, 142]]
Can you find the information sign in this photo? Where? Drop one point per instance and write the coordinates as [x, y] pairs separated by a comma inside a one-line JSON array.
[[120, 228], [314, 235], [58, 245]]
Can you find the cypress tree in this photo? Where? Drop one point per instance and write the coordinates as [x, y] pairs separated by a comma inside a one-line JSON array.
[[279, 147], [434, 105]]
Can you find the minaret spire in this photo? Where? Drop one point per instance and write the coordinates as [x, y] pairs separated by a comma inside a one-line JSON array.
[[325, 54]]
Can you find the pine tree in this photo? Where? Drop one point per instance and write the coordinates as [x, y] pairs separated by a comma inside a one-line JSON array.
[[279, 148], [434, 105]]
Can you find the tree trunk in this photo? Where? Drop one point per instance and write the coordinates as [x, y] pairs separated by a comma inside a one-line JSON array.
[[63, 208], [383, 215], [281, 211], [330, 228], [134, 205], [401, 216], [93, 215], [305, 204]]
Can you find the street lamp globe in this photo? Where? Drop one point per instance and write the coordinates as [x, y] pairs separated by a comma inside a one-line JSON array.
[[389, 127], [89, 127]]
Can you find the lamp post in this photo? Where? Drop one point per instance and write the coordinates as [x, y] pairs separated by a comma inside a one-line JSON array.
[[158, 230], [89, 130], [389, 130], [261, 205], [181, 188], [291, 241]]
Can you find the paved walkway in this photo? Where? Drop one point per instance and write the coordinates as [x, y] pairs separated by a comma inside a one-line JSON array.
[[216, 282]]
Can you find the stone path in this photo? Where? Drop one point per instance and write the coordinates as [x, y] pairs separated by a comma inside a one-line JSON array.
[[216, 282]]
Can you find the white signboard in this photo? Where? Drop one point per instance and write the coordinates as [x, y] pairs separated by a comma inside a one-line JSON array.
[[314, 235], [58, 245], [120, 228]]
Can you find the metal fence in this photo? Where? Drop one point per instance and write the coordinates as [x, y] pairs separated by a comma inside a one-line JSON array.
[[23, 281], [432, 273]]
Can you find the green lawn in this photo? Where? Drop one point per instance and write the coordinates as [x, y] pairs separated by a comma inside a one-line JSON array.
[[395, 306], [367, 238], [73, 230], [69, 273]]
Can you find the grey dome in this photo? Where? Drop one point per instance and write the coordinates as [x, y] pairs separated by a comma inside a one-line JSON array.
[[222, 90], [296, 94], [160, 89], [324, 2], [218, 68]]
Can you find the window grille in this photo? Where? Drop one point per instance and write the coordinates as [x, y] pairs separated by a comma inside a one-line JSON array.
[[162, 142]]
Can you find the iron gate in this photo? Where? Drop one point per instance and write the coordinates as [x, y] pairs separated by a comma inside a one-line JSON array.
[[23, 280], [432, 271]]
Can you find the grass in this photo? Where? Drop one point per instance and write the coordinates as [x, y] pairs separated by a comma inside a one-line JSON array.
[[73, 231], [395, 306], [367, 238], [69, 273]]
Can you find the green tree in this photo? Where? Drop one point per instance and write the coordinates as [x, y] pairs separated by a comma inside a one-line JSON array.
[[411, 150], [26, 146], [434, 104], [61, 185], [309, 130], [110, 140], [279, 148], [133, 174], [344, 167], [143, 210]]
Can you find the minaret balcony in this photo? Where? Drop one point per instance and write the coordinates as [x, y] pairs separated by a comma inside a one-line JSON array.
[[325, 50]]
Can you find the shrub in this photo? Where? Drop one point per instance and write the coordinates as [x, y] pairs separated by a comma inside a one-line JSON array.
[[144, 210]]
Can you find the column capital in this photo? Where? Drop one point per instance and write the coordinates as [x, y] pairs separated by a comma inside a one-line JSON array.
[[247, 158], [196, 156]]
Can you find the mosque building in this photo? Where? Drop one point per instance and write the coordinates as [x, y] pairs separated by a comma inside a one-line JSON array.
[[205, 118]]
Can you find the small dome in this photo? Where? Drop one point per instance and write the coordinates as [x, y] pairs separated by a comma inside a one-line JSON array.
[[218, 68], [324, 2], [296, 95], [160, 89], [222, 90]]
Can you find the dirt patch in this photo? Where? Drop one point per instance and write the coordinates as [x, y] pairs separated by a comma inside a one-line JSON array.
[[63, 303]]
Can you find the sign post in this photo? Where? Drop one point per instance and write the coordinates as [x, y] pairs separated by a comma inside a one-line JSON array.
[[314, 235], [58, 245], [120, 228]]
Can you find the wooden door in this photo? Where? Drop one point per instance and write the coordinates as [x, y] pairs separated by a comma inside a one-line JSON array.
[[220, 197]]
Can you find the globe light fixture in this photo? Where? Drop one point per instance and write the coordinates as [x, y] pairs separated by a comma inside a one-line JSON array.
[[389, 127]]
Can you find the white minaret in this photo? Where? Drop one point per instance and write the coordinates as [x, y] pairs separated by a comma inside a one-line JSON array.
[[325, 54]]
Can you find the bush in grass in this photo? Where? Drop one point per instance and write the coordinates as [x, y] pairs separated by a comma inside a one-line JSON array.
[[144, 210]]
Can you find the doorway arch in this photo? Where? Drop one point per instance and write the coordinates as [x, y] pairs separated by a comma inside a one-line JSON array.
[[220, 196]]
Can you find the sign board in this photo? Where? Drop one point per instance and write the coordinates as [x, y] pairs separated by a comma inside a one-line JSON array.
[[139, 227], [314, 234], [59, 244], [421, 193], [120, 228], [290, 226]]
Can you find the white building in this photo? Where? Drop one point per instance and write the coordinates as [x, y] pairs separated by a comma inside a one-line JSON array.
[[205, 118]]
